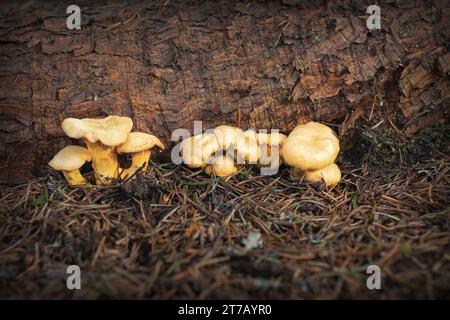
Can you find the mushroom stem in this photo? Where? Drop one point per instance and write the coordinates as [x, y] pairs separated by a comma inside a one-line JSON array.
[[271, 156], [138, 160], [209, 170], [74, 177], [266, 154], [104, 161]]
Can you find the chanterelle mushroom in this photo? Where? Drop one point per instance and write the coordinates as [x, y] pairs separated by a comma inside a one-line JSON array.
[[330, 174], [310, 147], [69, 160], [271, 139], [222, 166], [139, 145], [196, 150], [268, 142], [101, 137], [247, 147], [227, 135]]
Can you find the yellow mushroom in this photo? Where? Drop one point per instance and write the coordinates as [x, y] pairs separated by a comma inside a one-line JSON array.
[[227, 136], [69, 160], [247, 147], [271, 139], [101, 137], [310, 147], [221, 166], [139, 144], [270, 142], [330, 175], [196, 150]]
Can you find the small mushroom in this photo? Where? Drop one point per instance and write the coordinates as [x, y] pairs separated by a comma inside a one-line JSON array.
[[227, 136], [69, 160], [310, 147], [101, 137], [222, 166], [271, 139], [268, 142], [247, 147], [196, 150], [139, 144], [330, 174]]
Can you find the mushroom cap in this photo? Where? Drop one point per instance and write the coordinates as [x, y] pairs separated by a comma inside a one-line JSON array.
[[139, 141], [189, 151], [271, 139], [310, 146], [330, 174], [209, 145], [222, 166], [247, 146], [110, 131], [70, 158], [251, 134], [196, 150], [227, 135]]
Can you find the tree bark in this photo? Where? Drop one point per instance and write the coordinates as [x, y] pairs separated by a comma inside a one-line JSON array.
[[270, 64]]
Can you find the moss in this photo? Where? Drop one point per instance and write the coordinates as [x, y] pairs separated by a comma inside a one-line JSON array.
[[40, 200], [383, 147]]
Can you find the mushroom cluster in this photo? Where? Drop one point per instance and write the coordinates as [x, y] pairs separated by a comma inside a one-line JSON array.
[[310, 149], [207, 150], [104, 139]]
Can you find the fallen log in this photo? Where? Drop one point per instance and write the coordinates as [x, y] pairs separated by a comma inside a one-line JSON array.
[[271, 64]]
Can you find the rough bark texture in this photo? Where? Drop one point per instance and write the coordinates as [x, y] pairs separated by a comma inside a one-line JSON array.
[[256, 64]]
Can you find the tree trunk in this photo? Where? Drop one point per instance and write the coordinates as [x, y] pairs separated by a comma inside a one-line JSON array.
[[260, 64]]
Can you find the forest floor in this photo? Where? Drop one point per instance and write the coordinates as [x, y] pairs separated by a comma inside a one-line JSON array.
[[177, 233]]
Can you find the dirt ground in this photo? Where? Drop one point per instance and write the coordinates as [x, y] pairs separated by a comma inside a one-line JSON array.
[[177, 233]]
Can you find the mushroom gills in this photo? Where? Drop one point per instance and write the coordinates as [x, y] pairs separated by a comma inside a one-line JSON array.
[[139, 161], [74, 177], [104, 162], [69, 160]]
